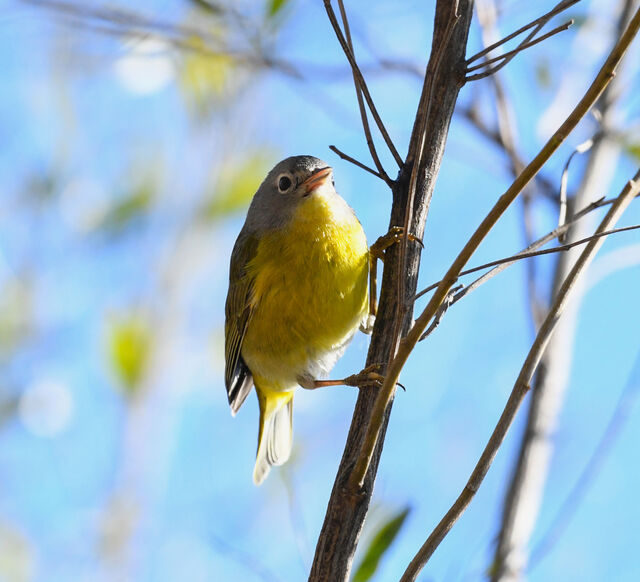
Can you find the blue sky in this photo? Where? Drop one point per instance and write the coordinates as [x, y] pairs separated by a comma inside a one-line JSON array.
[[98, 485]]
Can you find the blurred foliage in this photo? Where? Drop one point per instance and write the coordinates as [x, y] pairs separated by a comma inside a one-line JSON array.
[[41, 185], [16, 557], [380, 543], [274, 7], [235, 186], [633, 150], [130, 343], [204, 76], [543, 73], [128, 208], [16, 306]]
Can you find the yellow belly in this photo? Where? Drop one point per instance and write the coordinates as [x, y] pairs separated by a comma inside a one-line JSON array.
[[310, 293]]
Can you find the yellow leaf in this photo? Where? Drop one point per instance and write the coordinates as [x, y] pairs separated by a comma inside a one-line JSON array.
[[204, 75], [129, 341]]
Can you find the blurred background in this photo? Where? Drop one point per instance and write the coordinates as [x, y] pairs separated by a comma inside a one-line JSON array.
[[132, 142]]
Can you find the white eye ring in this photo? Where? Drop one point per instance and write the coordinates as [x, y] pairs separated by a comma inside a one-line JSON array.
[[284, 182]]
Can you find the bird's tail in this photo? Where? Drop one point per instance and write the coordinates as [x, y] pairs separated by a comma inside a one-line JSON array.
[[276, 431]]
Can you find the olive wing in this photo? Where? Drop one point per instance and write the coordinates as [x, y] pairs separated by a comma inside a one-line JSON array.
[[238, 309]]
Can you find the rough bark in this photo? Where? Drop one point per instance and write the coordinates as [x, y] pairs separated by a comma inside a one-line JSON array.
[[348, 507]]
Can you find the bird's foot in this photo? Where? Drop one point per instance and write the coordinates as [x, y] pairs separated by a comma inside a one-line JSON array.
[[369, 377], [395, 235]]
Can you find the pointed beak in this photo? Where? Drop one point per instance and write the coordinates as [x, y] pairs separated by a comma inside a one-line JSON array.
[[316, 180]]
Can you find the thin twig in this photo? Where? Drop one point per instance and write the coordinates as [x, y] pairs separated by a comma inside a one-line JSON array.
[[362, 83], [543, 240], [547, 187], [527, 255], [562, 213], [512, 53], [560, 7], [363, 111], [449, 300], [348, 158], [521, 385], [387, 390]]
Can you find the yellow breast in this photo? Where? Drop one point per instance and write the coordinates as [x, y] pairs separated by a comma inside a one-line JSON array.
[[310, 291]]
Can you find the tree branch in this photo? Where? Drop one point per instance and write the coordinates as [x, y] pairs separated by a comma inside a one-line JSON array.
[[357, 74], [348, 505], [363, 112], [538, 23], [521, 385], [387, 391], [526, 483], [508, 56]]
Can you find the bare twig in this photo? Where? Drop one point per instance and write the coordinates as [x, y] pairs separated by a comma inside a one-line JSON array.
[[348, 158], [560, 7], [449, 300], [503, 263], [387, 391], [363, 112], [547, 187], [521, 385], [361, 82], [508, 261], [524, 493], [348, 504], [508, 56], [562, 214]]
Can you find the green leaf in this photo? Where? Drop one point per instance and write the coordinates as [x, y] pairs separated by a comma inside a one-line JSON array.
[[129, 340], [380, 543], [543, 73], [633, 150], [128, 208], [205, 75], [236, 186], [274, 7]]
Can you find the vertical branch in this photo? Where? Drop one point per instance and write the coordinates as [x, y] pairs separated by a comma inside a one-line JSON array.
[[521, 385], [349, 504], [524, 495]]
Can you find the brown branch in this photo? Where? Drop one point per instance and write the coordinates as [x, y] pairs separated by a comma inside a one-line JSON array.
[[361, 82], [541, 21], [508, 261], [363, 112], [348, 505], [521, 385], [562, 213], [355, 162], [555, 233], [523, 495], [387, 391], [508, 56]]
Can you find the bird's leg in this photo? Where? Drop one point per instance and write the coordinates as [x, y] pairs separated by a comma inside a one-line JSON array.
[[376, 251], [370, 376], [367, 377]]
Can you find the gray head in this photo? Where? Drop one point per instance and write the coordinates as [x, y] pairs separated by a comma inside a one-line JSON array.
[[284, 188]]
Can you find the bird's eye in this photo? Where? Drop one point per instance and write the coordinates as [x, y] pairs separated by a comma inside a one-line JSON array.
[[284, 183]]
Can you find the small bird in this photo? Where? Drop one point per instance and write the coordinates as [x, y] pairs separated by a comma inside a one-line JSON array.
[[298, 291]]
